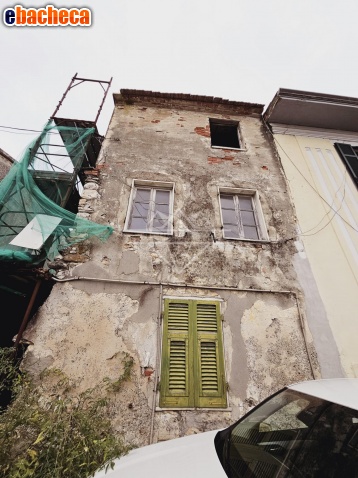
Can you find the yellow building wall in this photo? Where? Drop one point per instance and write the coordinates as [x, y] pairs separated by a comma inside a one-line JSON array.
[[326, 202]]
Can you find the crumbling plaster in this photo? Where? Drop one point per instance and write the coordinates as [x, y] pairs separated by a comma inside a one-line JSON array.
[[175, 153], [79, 323], [85, 323]]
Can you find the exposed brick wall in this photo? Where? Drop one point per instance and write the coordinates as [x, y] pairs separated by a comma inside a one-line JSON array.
[[5, 165], [188, 102], [203, 131]]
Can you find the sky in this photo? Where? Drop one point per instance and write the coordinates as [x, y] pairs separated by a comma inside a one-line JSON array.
[[242, 50]]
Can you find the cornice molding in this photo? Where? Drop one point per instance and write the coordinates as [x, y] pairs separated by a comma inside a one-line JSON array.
[[333, 135], [187, 102]]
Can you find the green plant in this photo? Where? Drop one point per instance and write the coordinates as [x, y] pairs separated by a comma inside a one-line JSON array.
[[10, 376], [61, 434], [116, 385]]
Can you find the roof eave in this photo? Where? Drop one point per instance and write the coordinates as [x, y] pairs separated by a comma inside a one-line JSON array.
[[316, 110]]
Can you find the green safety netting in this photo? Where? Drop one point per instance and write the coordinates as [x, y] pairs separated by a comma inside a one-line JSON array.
[[33, 225]]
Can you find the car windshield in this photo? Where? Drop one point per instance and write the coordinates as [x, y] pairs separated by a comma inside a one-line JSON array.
[[292, 435]]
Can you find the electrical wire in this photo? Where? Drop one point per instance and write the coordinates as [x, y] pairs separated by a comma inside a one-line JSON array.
[[327, 213], [21, 129], [14, 132], [26, 131], [29, 131], [314, 189]]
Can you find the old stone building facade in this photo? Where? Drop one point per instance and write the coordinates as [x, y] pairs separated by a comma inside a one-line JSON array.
[[196, 283]]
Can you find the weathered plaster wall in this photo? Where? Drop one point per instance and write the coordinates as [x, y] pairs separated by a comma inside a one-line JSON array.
[[85, 328], [86, 324], [85, 331]]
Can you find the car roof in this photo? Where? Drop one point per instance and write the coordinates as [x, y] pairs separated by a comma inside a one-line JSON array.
[[343, 391]]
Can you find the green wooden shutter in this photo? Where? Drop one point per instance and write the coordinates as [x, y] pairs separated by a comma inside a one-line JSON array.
[[210, 391], [175, 373], [192, 371]]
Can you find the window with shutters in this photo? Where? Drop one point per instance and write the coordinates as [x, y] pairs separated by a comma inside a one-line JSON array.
[[349, 155], [224, 133], [192, 370], [241, 215], [150, 208]]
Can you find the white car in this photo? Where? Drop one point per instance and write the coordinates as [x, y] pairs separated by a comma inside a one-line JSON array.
[[306, 430]]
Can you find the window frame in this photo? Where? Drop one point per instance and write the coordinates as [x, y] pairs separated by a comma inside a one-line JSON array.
[[193, 340], [228, 123], [152, 186], [348, 159], [258, 214]]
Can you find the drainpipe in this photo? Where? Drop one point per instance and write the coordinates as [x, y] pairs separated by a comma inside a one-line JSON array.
[[302, 324], [27, 313], [172, 284], [156, 371]]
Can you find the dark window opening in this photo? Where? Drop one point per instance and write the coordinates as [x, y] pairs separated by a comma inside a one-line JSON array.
[[224, 133], [349, 157]]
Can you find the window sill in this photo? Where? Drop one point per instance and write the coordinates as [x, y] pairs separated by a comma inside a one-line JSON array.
[[229, 148], [242, 239], [154, 233]]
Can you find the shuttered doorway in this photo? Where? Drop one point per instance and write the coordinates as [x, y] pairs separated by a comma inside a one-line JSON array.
[[192, 371]]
